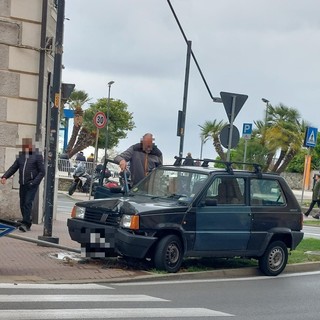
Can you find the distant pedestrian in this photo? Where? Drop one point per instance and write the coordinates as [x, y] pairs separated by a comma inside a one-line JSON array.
[[31, 172], [143, 157], [189, 160], [315, 197], [80, 156], [90, 158]]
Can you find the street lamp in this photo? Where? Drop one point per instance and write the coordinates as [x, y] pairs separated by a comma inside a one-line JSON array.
[[107, 134], [217, 99]]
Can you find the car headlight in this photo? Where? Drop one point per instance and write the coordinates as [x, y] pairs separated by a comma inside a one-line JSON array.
[[78, 212], [130, 221]]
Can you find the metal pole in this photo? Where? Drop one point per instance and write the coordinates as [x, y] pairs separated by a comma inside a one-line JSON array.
[[185, 96], [107, 135], [201, 148], [54, 124], [266, 101], [42, 242], [245, 153], [94, 162], [231, 126]]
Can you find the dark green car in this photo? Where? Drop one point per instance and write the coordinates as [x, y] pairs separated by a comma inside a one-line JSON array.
[[198, 211]]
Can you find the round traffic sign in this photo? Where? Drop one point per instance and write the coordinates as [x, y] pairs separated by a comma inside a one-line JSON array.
[[100, 120], [224, 136]]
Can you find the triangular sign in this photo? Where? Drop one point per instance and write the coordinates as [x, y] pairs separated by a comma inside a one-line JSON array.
[[227, 99]]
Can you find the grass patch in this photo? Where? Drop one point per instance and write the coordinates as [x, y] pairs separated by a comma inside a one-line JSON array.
[[299, 255], [314, 223]]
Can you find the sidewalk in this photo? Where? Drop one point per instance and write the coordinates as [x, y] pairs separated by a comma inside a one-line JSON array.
[[23, 261]]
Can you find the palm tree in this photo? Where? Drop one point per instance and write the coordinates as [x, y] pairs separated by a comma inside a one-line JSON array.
[[211, 130], [76, 101], [284, 135]]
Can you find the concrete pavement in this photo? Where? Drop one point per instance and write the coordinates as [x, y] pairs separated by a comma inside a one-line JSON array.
[[23, 261]]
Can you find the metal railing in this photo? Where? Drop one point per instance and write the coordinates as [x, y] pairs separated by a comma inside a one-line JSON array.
[[66, 167]]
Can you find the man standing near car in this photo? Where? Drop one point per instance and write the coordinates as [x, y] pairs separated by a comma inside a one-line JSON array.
[[143, 157], [31, 172]]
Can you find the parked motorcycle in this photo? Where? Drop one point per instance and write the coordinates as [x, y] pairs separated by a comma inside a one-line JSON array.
[[82, 179]]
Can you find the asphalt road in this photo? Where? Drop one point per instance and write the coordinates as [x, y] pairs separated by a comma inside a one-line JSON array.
[[290, 296], [64, 206]]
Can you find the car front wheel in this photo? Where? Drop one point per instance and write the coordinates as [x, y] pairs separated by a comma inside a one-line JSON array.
[[274, 259], [168, 255]]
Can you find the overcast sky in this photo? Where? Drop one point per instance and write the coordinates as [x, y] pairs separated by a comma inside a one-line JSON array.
[[264, 49]]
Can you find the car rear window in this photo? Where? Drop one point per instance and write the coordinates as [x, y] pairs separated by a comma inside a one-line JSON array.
[[266, 192]]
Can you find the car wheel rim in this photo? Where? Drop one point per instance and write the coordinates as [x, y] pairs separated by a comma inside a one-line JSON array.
[[173, 254], [276, 259]]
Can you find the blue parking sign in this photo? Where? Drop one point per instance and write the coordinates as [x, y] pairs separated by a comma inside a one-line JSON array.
[[247, 130]]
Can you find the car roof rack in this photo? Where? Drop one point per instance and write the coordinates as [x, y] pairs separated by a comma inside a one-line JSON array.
[[228, 164]]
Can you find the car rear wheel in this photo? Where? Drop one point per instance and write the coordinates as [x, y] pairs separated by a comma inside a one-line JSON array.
[[274, 259], [168, 254]]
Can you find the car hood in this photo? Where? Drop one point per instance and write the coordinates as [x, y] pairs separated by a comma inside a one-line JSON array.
[[134, 205]]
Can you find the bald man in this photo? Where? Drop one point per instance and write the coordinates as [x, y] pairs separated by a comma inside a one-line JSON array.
[[143, 157]]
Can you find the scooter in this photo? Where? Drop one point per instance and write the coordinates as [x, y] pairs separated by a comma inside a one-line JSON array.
[[81, 178]]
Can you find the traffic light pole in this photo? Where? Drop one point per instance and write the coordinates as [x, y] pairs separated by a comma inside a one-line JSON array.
[[55, 99], [185, 97]]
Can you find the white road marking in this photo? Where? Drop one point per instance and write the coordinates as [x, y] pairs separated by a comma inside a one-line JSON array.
[[123, 313], [52, 286], [254, 278], [78, 298]]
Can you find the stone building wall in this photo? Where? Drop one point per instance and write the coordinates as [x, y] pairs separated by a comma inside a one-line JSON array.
[[20, 39]]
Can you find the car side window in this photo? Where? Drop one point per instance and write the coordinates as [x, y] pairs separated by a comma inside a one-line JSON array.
[[266, 192], [227, 190]]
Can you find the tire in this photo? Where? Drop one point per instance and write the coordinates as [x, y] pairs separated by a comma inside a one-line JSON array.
[[72, 188], [274, 259], [168, 254]]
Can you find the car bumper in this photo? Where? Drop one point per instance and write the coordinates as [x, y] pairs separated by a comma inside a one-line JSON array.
[[95, 236], [297, 237], [132, 245]]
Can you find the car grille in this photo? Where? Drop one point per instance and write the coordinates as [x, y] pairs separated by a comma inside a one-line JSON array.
[[96, 215]]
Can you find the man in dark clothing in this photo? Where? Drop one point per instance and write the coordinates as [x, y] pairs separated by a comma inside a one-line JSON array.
[[143, 157], [188, 160], [80, 156], [315, 197], [31, 172]]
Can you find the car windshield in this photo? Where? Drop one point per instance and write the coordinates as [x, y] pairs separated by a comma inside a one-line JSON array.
[[166, 183]]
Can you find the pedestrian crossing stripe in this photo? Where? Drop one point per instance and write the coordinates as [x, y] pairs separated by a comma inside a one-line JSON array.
[[43, 286], [32, 304], [119, 313], [78, 298]]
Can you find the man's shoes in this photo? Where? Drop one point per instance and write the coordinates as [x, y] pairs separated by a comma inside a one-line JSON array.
[[316, 216], [28, 228], [23, 228], [306, 214]]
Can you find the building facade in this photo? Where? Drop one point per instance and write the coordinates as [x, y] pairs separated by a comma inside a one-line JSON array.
[[27, 31]]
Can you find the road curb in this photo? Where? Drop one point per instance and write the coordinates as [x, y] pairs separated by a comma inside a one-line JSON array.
[[222, 273]]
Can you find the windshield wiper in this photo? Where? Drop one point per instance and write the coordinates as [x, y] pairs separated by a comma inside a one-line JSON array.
[[175, 195]]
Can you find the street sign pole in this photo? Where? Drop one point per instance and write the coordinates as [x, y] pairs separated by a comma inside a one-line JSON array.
[[231, 127], [54, 126], [185, 97], [233, 103], [245, 153], [246, 134], [94, 162]]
